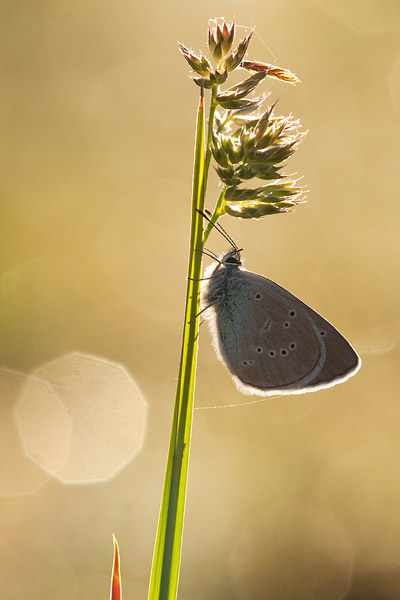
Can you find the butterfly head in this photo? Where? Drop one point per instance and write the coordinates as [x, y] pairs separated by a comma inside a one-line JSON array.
[[231, 258]]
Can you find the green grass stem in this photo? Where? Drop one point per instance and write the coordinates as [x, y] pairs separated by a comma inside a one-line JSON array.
[[167, 551], [218, 212]]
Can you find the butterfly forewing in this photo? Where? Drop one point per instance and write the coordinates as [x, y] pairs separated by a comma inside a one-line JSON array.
[[274, 343]]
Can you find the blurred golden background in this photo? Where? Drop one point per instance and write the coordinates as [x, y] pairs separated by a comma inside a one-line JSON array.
[[294, 497]]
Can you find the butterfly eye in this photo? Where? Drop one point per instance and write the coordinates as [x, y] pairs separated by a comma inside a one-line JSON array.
[[232, 260]]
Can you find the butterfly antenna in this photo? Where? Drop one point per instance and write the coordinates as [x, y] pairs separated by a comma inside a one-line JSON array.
[[223, 231], [218, 227]]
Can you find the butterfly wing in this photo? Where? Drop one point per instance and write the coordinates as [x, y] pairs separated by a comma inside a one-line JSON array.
[[273, 343]]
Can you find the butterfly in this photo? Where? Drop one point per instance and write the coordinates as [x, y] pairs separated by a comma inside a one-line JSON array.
[[270, 341]]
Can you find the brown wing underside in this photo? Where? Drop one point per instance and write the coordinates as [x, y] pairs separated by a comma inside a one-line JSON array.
[[270, 340]]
